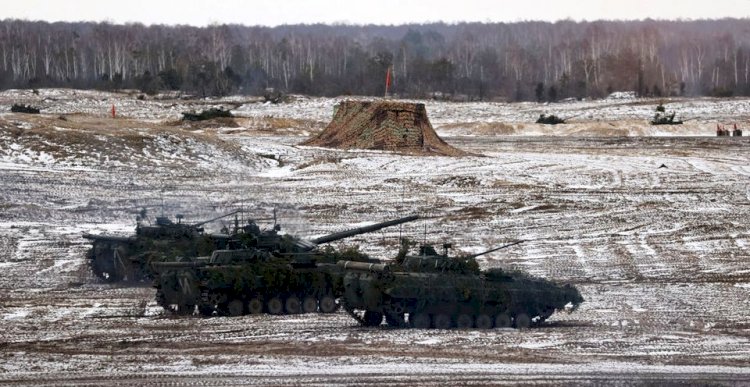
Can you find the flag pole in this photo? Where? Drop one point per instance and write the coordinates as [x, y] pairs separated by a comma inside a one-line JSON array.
[[387, 81]]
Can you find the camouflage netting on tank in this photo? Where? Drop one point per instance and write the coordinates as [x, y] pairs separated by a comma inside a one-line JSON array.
[[385, 125]]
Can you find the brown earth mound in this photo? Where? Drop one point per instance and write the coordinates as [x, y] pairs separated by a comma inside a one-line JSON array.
[[384, 125]]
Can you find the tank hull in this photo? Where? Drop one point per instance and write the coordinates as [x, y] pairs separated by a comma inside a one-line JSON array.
[[261, 283], [452, 300]]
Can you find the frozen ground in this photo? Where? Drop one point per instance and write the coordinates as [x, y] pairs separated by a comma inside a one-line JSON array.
[[659, 254]]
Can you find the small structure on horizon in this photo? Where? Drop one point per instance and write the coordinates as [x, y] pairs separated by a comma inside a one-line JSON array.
[[722, 131], [383, 125]]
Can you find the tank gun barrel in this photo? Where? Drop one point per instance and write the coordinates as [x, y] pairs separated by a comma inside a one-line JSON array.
[[496, 249], [362, 230], [158, 266], [364, 266], [110, 238], [216, 218]]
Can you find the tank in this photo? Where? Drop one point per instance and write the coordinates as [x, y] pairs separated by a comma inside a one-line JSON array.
[[126, 259], [432, 290], [270, 273], [662, 118]]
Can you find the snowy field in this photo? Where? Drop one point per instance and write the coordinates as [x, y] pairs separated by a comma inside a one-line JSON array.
[[650, 223]]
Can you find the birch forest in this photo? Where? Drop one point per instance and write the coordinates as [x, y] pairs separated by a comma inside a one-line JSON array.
[[524, 61]]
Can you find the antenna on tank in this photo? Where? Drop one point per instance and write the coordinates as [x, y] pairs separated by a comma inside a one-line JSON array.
[[400, 226]]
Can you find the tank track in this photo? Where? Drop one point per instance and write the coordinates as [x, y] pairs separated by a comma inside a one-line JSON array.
[[351, 312]]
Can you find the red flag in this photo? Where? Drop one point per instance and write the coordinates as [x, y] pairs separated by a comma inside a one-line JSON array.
[[387, 80], [113, 110]]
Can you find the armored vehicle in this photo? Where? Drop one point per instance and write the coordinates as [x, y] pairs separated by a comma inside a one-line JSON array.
[[118, 258], [662, 118], [271, 273], [432, 290], [549, 119]]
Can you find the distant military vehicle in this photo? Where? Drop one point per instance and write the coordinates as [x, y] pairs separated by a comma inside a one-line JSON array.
[[662, 118], [549, 119], [117, 258], [207, 114], [432, 290], [270, 273], [28, 109]]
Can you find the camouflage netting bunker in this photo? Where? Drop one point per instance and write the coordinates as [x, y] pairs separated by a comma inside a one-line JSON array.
[[384, 125]]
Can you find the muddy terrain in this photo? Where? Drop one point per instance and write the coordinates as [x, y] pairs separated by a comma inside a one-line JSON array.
[[650, 223]]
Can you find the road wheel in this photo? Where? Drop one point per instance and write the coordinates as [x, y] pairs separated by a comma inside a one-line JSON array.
[[309, 305], [235, 308], [206, 310], [328, 304], [395, 307], [112, 277], [161, 300], [372, 319], [108, 264], [464, 321], [420, 320], [522, 321], [545, 314], [502, 320], [222, 309], [395, 320], [484, 321], [292, 305], [442, 321], [185, 310], [275, 306], [216, 299], [255, 305]]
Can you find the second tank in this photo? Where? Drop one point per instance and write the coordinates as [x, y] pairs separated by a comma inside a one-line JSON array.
[[432, 290]]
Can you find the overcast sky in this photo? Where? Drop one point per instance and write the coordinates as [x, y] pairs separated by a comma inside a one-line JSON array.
[[276, 12]]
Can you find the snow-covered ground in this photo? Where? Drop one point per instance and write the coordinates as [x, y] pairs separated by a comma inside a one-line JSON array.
[[650, 223]]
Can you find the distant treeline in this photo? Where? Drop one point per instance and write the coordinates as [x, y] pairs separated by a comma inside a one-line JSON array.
[[517, 61]]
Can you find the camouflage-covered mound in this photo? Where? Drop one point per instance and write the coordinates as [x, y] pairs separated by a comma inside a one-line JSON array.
[[385, 125]]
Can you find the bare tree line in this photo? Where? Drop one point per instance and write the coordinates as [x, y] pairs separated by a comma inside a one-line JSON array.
[[516, 61]]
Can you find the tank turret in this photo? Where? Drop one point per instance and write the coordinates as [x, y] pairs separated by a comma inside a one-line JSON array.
[[271, 273], [282, 244], [433, 290], [117, 258], [363, 230]]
